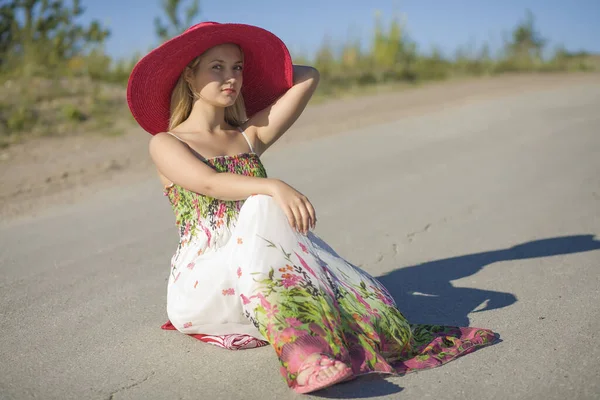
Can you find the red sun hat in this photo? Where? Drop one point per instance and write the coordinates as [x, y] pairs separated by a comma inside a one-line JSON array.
[[268, 70]]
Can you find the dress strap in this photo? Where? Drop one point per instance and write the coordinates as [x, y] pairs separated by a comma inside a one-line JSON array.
[[247, 140], [174, 135]]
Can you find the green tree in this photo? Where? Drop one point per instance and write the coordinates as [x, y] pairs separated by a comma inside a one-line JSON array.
[[174, 25], [350, 57], [7, 22], [48, 33], [325, 58], [393, 53], [527, 42]]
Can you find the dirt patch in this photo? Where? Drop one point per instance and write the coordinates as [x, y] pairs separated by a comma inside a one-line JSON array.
[[49, 171]]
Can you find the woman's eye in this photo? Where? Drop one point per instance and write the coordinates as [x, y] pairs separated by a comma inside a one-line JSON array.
[[220, 67]]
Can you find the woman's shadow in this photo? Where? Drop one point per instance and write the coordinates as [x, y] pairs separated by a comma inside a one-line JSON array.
[[425, 293]]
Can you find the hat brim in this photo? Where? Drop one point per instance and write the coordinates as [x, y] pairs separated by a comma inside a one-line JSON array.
[[268, 70]]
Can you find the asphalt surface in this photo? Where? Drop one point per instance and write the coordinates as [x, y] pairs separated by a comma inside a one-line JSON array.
[[486, 214]]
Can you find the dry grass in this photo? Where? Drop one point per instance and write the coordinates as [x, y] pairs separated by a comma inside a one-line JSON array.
[[45, 107]]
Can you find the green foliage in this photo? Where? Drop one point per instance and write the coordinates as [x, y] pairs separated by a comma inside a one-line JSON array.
[[392, 52], [325, 59], [7, 23], [527, 43], [55, 107], [174, 25], [47, 36], [73, 113], [56, 77], [394, 57], [21, 118]]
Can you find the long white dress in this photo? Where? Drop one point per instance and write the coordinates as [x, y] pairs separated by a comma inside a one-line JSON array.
[[241, 277]]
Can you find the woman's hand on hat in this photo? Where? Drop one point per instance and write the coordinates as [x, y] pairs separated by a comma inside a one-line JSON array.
[[297, 208]]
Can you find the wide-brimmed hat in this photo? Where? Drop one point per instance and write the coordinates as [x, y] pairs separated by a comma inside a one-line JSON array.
[[268, 70]]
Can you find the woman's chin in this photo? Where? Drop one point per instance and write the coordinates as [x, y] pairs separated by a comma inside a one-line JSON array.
[[222, 103], [228, 101]]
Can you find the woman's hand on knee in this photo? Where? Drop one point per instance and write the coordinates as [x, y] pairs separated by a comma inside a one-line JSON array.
[[298, 209]]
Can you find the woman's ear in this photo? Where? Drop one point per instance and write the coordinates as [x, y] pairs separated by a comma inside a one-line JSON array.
[[188, 75]]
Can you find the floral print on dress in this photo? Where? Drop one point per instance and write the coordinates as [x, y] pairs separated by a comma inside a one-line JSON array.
[[199, 214], [304, 307], [256, 278]]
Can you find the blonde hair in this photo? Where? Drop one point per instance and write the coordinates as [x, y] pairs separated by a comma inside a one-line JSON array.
[[183, 97]]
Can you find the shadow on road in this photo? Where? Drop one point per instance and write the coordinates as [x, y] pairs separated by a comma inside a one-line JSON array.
[[425, 294], [365, 387]]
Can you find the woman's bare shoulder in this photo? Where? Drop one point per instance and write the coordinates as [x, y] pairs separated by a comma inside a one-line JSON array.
[[162, 136], [163, 141]]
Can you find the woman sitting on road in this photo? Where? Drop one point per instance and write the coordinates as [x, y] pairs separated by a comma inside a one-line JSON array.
[[248, 270]]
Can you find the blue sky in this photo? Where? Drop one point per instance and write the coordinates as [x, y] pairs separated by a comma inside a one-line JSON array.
[[302, 25]]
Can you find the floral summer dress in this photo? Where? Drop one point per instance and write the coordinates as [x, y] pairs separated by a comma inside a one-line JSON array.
[[241, 277]]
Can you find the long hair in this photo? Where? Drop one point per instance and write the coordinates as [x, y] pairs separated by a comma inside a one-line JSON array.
[[183, 97]]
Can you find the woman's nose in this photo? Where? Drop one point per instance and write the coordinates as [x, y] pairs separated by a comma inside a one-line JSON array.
[[232, 76], [229, 77]]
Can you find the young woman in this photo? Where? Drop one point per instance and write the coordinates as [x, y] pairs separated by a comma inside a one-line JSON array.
[[248, 270]]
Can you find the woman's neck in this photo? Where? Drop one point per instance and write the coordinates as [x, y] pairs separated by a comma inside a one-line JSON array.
[[206, 117]]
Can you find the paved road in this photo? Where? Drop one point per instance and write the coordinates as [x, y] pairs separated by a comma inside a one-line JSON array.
[[484, 214]]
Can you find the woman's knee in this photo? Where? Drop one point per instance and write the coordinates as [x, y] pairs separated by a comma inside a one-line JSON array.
[[259, 199]]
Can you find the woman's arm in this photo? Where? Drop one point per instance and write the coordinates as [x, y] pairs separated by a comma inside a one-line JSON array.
[[174, 160], [269, 124]]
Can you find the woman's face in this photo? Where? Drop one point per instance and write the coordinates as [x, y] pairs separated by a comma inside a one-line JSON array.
[[218, 76]]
